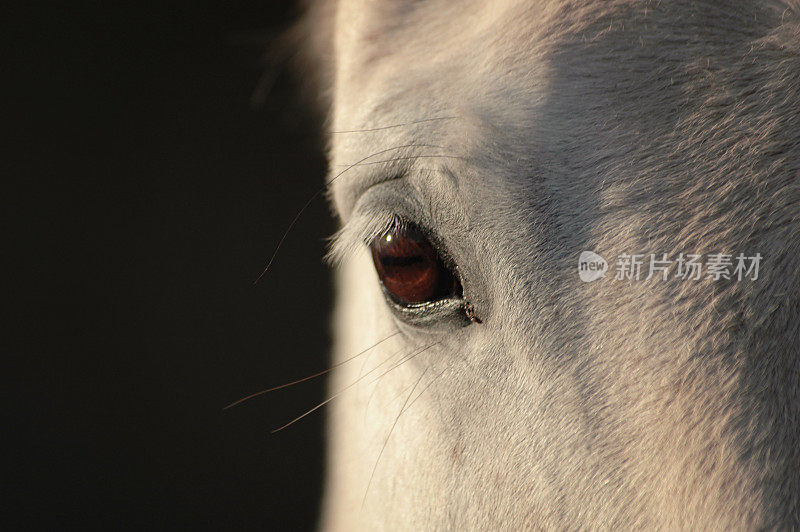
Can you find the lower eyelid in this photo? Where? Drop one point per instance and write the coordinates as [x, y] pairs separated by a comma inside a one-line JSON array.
[[444, 313]]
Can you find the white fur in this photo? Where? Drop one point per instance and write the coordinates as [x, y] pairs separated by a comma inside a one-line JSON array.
[[562, 126]]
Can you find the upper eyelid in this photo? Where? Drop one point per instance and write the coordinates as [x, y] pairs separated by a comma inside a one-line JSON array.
[[386, 205], [360, 230]]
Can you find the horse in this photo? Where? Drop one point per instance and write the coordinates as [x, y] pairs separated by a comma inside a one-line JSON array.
[[520, 342]]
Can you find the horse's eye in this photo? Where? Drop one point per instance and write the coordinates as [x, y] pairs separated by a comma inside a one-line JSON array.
[[411, 270]]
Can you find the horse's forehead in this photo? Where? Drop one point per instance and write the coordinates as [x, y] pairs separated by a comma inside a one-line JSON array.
[[522, 77], [397, 59], [437, 71], [472, 80], [394, 55]]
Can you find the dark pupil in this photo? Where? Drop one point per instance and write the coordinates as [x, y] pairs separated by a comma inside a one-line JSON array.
[[400, 262], [410, 269]]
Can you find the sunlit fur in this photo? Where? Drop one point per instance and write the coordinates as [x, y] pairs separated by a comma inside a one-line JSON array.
[[612, 126]]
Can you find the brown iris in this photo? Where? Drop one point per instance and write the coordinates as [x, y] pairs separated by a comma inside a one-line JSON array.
[[410, 268]]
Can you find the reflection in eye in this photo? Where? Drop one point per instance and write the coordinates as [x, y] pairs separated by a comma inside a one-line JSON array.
[[410, 268]]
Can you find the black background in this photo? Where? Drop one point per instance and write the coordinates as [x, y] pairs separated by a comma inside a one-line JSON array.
[[145, 194]]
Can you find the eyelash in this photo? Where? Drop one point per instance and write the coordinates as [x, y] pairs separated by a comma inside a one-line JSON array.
[[359, 233]]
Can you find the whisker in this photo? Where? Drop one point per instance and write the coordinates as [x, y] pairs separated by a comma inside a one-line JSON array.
[[402, 361], [366, 359], [426, 388], [404, 390], [405, 158], [372, 393], [340, 392], [315, 196], [400, 394], [323, 372], [386, 441], [393, 126]]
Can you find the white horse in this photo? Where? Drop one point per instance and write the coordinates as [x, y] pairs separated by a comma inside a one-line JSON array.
[[477, 148]]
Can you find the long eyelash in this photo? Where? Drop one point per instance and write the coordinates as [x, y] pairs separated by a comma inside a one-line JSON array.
[[315, 196], [366, 130], [395, 159], [358, 231]]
